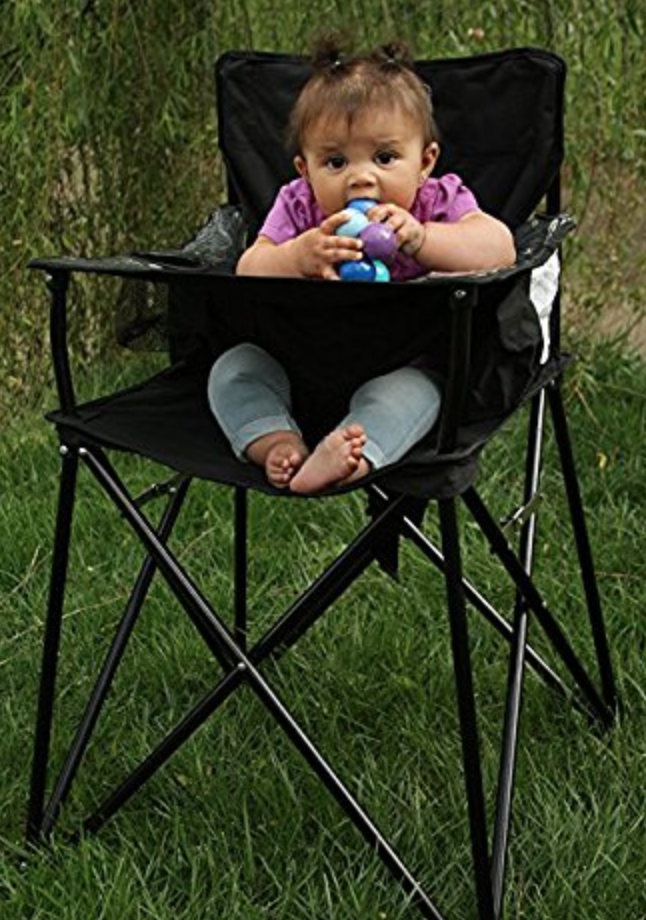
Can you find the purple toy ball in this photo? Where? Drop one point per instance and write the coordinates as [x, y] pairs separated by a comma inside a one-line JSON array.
[[361, 270], [379, 241]]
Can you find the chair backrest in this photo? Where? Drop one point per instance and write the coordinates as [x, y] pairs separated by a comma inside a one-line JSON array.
[[500, 116]]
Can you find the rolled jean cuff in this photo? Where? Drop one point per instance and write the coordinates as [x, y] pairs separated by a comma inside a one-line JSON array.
[[240, 440], [374, 455]]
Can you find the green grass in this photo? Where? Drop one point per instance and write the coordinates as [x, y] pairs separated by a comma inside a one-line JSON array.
[[235, 826]]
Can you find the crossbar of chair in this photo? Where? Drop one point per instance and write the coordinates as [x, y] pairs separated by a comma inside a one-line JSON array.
[[159, 489], [411, 530], [281, 636], [231, 656], [524, 583]]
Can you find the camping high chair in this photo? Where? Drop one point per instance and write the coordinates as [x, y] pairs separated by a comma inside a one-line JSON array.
[[494, 335]]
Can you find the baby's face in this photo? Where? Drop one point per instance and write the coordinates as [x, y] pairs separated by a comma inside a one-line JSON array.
[[380, 155]]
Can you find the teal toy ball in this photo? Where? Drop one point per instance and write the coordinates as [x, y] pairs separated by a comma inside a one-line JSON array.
[[353, 226], [362, 204], [381, 271], [361, 270]]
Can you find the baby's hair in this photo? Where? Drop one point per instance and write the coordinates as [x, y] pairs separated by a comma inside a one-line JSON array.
[[344, 84]]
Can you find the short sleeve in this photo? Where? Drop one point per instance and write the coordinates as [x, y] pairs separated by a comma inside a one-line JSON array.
[[293, 212], [446, 200]]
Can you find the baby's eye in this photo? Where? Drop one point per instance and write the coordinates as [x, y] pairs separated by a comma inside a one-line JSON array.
[[335, 162], [385, 157]]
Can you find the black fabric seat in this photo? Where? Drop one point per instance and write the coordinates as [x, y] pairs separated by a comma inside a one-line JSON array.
[[497, 352]]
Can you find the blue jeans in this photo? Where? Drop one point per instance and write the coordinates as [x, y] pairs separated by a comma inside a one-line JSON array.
[[249, 394]]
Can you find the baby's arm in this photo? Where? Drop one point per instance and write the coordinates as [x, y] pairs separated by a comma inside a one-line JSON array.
[[476, 242], [313, 254]]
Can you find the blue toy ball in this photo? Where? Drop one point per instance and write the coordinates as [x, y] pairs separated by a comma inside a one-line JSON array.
[[361, 270], [353, 225], [380, 243], [362, 204]]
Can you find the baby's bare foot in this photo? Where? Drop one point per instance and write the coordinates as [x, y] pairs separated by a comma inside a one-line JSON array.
[[281, 453], [338, 459], [283, 461]]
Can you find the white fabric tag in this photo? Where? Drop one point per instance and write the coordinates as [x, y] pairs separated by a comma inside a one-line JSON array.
[[543, 289]]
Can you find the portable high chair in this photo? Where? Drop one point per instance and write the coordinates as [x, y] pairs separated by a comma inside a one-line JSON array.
[[492, 335]]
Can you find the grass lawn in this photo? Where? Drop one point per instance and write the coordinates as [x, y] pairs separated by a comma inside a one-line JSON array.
[[234, 827]]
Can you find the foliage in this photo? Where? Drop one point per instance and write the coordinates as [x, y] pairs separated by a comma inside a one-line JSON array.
[[107, 136]]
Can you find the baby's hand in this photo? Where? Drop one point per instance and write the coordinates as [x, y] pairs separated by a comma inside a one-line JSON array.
[[408, 230], [319, 251]]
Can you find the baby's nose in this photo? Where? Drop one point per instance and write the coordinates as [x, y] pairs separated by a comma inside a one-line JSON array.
[[363, 177]]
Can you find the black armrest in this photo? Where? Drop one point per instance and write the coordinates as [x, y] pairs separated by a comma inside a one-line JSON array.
[[535, 241], [214, 249]]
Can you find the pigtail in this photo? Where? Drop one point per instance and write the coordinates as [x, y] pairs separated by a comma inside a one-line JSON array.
[[342, 83], [395, 55], [331, 53]]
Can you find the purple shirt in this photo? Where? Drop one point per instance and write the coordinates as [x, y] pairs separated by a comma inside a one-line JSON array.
[[295, 210]]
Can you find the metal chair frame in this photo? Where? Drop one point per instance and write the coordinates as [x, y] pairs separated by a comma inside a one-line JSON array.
[[242, 665]]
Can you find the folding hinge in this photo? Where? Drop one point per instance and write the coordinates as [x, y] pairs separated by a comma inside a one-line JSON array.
[[514, 522], [159, 489]]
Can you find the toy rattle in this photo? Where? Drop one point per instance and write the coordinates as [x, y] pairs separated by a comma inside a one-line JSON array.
[[379, 244]]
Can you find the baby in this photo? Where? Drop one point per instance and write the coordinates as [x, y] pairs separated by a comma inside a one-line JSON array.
[[362, 127]]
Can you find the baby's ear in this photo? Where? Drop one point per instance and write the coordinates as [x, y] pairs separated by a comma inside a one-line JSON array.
[[301, 166], [429, 158]]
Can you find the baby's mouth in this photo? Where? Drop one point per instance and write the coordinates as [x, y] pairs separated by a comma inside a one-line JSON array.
[[362, 202]]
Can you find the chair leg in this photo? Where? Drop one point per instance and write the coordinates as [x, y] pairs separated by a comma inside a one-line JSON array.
[[51, 642], [499, 545], [240, 566], [466, 707], [583, 547], [112, 661], [517, 661]]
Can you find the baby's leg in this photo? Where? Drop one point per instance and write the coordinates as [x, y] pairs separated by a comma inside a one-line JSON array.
[[249, 395], [388, 416], [396, 410], [337, 460]]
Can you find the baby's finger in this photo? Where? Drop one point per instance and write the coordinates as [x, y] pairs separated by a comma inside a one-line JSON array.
[[347, 247], [379, 213], [331, 223], [342, 255], [398, 222], [329, 273], [386, 213]]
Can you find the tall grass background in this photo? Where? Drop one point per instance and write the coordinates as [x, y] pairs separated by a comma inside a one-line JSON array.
[[108, 141], [108, 136]]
